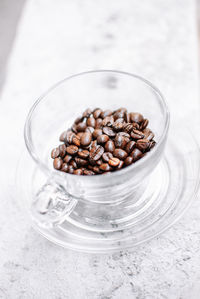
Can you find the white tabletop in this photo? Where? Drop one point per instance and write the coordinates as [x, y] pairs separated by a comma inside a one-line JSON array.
[[54, 39]]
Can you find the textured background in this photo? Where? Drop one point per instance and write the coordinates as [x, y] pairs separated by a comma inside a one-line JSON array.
[[156, 39]]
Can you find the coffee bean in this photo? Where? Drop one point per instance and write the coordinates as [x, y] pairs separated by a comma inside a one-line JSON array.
[[62, 150], [136, 126], [121, 164], [114, 162], [122, 109], [91, 122], [121, 141], [67, 158], [118, 124], [88, 172], [136, 117], [144, 124], [136, 154], [127, 127], [93, 143], [57, 163], [107, 156], [73, 163], [76, 140], [102, 139], [63, 135], [69, 137], [81, 127], [124, 134], [120, 153], [98, 123], [86, 139], [79, 134], [96, 152], [96, 169], [152, 144], [64, 167], [87, 112], [97, 112], [81, 162], [109, 146], [55, 153], [150, 136], [127, 117], [83, 154], [78, 171], [143, 145], [118, 114], [108, 121], [96, 133], [70, 169], [128, 160], [136, 134], [130, 146], [109, 131], [99, 162], [106, 113], [72, 149], [78, 120], [105, 167], [89, 130], [74, 129]]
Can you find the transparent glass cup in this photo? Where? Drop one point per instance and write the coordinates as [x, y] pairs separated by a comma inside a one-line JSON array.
[[99, 202]]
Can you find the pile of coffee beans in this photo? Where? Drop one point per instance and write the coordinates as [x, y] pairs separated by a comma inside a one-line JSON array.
[[101, 141]]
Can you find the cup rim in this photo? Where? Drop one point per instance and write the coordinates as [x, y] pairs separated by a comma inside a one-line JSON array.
[[31, 149]]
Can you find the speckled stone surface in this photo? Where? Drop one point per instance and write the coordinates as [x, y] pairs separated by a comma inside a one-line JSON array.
[[156, 39]]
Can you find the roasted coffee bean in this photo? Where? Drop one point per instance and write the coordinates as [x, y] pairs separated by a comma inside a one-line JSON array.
[[83, 154], [69, 137], [136, 154], [99, 162], [124, 134], [72, 149], [79, 134], [152, 144], [98, 123], [97, 112], [109, 131], [120, 153], [90, 167], [121, 141], [130, 146], [78, 171], [127, 117], [89, 129], [150, 136], [144, 124], [118, 124], [86, 139], [93, 143], [96, 152], [128, 160], [114, 162], [127, 127], [62, 150], [119, 114], [70, 169], [76, 140], [109, 146], [91, 122], [121, 164], [108, 121], [63, 135], [55, 153], [102, 139], [136, 117], [136, 134], [88, 172], [143, 145], [87, 112], [73, 163], [107, 156], [80, 127], [78, 120], [105, 113], [136, 126], [64, 167], [81, 162], [105, 167], [96, 169], [96, 133], [57, 163], [67, 158]]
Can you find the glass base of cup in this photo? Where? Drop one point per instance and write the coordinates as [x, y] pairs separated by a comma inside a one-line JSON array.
[[145, 214]]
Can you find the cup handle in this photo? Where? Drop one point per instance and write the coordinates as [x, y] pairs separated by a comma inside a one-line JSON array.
[[51, 205]]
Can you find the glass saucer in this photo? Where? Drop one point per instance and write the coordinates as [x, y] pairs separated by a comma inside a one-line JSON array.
[[169, 192]]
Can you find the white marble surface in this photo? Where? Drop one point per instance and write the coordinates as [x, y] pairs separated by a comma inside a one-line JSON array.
[[156, 39]]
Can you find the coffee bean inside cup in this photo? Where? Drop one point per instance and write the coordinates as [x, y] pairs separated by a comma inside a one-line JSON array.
[[102, 141]]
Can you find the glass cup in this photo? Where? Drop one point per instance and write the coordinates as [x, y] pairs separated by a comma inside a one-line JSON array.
[[100, 202]]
